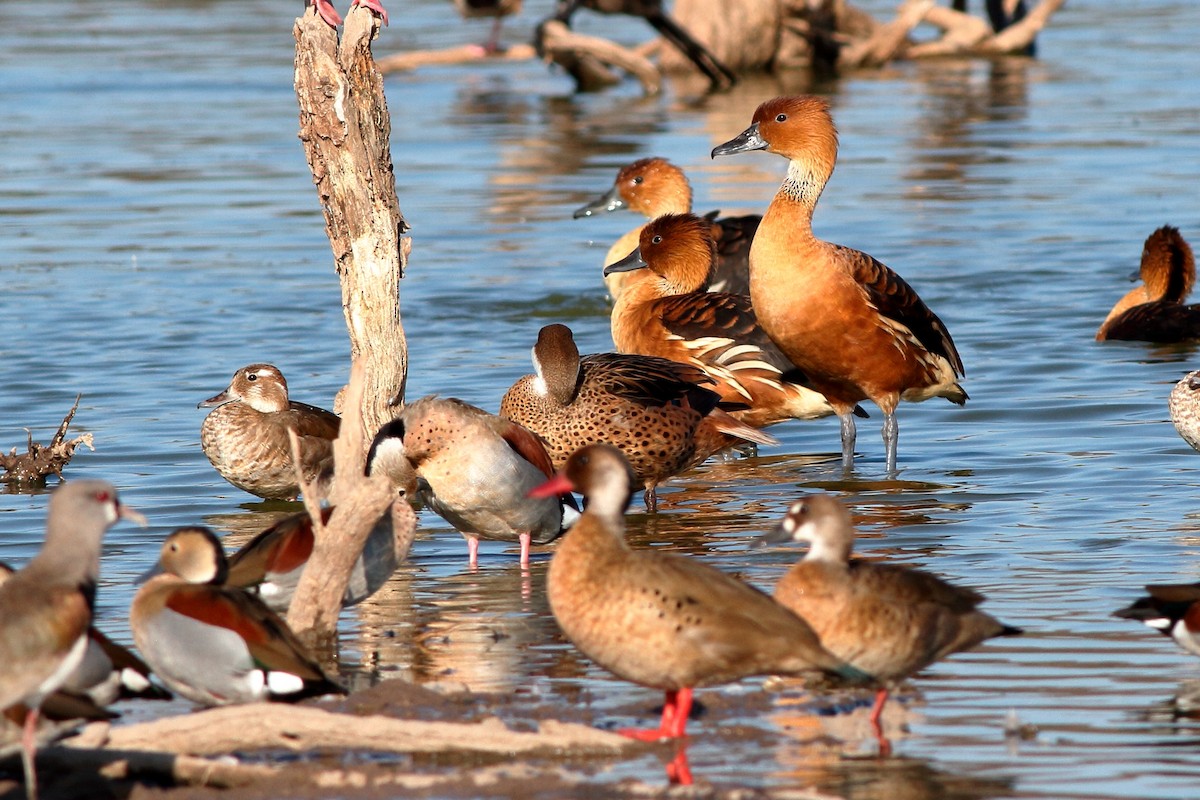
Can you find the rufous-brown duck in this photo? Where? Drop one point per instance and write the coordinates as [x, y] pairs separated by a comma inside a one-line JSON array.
[[1171, 609], [653, 187], [46, 607], [246, 435], [653, 410], [670, 315], [855, 327], [216, 644], [1155, 310], [475, 470], [663, 620], [888, 620]]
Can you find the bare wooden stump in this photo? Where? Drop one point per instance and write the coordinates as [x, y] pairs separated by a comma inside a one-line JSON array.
[[345, 127], [39, 462]]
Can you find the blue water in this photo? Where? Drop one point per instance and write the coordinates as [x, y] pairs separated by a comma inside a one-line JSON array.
[[161, 230]]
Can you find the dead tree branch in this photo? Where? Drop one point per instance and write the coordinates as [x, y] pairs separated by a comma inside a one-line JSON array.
[[587, 59], [38, 463], [345, 127]]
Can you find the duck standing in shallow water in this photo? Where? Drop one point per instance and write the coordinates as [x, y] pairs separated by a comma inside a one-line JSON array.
[[1154, 311], [653, 187], [652, 409], [216, 644], [663, 620], [888, 620], [246, 435], [855, 328], [475, 469], [668, 314], [46, 607]]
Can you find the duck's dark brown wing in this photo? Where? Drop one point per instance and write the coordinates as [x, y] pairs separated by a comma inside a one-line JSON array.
[[723, 328], [649, 380], [895, 299], [733, 237], [1158, 321]]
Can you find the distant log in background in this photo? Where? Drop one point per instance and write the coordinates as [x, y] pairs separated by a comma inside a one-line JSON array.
[[777, 35]]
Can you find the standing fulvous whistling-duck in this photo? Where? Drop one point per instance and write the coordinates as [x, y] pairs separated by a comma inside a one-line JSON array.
[[668, 314], [855, 327], [1154, 311], [653, 187]]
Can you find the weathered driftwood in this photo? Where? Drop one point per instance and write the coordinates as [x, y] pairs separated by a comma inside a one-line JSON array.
[[345, 127], [587, 58], [40, 462], [358, 502], [278, 726], [463, 54]]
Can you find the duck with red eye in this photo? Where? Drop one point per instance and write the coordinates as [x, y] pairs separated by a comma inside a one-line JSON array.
[[855, 328]]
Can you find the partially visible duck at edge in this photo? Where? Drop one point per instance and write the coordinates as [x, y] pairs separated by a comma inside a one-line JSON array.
[[888, 620], [663, 620], [245, 435], [653, 187], [1155, 310], [107, 673], [671, 316], [46, 606], [216, 644], [654, 410], [474, 470], [855, 327], [1171, 609], [270, 564], [1183, 404]]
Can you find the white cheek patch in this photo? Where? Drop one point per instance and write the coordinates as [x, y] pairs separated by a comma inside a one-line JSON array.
[[1158, 623], [539, 386], [789, 525]]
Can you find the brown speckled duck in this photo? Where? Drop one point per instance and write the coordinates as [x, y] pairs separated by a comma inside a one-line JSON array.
[[1154, 311], [888, 620], [653, 187], [475, 470], [670, 315], [663, 620], [216, 644], [245, 436], [855, 327], [653, 410]]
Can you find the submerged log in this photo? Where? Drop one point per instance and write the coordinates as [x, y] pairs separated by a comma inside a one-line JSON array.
[[39, 462]]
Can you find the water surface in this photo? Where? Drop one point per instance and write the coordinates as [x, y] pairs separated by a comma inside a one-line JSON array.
[[161, 230]]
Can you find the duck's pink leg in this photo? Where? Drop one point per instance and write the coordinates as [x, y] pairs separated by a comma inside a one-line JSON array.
[[328, 12], [526, 540], [885, 747], [472, 552], [374, 5], [28, 752]]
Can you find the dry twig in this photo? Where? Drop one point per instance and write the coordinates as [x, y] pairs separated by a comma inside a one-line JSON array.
[[38, 463]]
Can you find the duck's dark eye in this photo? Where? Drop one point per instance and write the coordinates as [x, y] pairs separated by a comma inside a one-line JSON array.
[[253, 376], [781, 117], [638, 180], [656, 240]]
